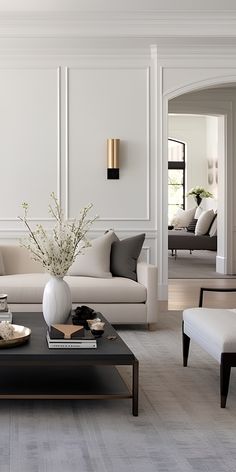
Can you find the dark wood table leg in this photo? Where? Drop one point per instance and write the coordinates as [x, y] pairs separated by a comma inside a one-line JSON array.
[[135, 387], [186, 342]]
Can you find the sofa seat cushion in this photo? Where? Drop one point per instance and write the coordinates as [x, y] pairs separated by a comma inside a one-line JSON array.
[[28, 288], [114, 290]]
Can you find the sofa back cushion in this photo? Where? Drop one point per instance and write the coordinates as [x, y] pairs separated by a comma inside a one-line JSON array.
[[95, 260], [182, 218], [17, 260], [191, 227], [213, 228], [204, 221]]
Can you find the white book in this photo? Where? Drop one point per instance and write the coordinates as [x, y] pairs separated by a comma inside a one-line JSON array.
[[71, 344]]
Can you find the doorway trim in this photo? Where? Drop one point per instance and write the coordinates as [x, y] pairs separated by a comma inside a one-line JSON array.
[[225, 259]]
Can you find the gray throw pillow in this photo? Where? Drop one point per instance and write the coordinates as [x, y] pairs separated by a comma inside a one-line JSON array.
[[191, 227], [124, 256]]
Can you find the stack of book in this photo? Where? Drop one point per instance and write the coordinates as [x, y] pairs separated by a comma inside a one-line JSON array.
[[69, 337]]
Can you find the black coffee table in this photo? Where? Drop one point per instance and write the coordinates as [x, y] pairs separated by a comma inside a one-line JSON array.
[[32, 370]]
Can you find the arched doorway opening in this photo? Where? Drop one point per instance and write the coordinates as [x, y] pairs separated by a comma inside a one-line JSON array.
[[223, 109]]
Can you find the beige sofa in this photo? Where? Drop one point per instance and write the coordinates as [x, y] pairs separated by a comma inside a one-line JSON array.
[[121, 300]]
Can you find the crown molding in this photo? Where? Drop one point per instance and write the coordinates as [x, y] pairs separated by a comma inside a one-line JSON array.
[[106, 24]]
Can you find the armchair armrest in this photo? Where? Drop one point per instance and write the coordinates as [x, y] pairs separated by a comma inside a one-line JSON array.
[[147, 276], [204, 289]]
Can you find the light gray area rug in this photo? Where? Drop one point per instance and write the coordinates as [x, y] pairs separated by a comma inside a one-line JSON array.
[[198, 265], [180, 428]]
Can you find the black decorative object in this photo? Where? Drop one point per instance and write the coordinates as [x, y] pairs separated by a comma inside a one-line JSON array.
[[198, 200], [113, 174], [82, 314], [97, 333]]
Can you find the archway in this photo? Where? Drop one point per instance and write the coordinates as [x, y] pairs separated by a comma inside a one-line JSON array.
[[225, 258]]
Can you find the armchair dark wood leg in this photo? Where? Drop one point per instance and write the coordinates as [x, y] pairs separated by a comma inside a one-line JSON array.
[[135, 387], [225, 369], [186, 343]]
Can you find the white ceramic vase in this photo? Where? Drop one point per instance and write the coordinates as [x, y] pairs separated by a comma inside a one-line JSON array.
[[56, 301]]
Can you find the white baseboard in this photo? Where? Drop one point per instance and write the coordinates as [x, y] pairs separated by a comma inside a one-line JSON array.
[[221, 265]]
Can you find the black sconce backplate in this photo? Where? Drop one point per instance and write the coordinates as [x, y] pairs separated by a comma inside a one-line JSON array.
[[113, 173]]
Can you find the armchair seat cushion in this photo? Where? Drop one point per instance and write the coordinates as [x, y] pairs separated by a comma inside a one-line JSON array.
[[214, 329]]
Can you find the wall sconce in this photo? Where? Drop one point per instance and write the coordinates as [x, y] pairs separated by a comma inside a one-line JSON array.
[[113, 158]]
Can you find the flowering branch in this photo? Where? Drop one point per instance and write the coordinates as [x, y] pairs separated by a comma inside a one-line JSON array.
[[56, 250]]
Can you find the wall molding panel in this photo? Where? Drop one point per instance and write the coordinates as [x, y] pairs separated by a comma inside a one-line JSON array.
[[27, 75], [70, 198]]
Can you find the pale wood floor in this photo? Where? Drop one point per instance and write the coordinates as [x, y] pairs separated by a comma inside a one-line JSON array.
[[184, 293]]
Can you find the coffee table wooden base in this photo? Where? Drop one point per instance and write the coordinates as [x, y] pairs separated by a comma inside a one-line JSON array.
[[71, 383], [35, 371]]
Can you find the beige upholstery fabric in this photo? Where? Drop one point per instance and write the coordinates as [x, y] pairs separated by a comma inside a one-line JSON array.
[[198, 212], [203, 222], [213, 228], [28, 288], [95, 260], [17, 260], [182, 218], [114, 290], [120, 313], [147, 275], [120, 299]]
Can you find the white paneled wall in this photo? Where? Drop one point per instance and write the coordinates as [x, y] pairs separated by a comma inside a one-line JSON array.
[[29, 147], [55, 118], [70, 80], [104, 103]]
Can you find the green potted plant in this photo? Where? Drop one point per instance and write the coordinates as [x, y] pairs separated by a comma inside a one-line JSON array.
[[199, 193]]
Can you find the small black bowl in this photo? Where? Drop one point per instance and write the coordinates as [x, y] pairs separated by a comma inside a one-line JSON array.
[[97, 333]]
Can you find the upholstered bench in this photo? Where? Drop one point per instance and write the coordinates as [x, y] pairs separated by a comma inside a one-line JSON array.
[[214, 329]]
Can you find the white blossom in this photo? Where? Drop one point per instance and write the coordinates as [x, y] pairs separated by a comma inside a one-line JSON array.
[[56, 250]]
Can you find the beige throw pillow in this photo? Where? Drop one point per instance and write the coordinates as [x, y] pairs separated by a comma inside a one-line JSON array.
[[213, 228], [204, 221], [95, 260], [182, 218], [198, 212]]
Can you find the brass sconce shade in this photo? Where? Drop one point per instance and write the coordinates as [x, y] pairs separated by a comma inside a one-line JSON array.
[[113, 158]]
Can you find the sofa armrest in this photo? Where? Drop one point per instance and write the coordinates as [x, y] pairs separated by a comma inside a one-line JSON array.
[[147, 276]]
